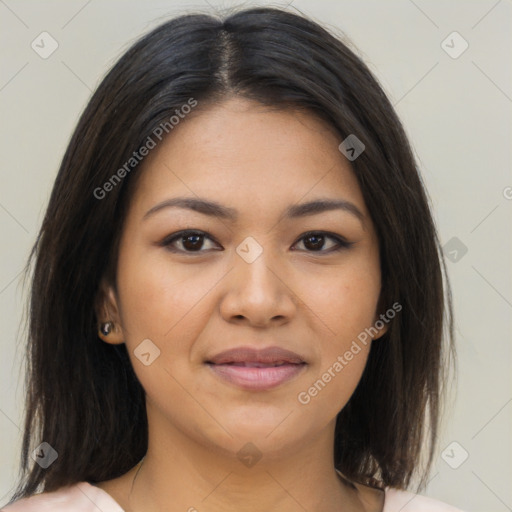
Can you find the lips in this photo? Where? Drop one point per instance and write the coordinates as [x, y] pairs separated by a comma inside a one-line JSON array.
[[256, 370], [256, 364], [271, 356]]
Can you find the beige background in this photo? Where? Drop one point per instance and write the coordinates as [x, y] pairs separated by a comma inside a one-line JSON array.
[[456, 110]]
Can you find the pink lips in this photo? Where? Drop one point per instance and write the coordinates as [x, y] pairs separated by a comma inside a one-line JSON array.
[[258, 370]]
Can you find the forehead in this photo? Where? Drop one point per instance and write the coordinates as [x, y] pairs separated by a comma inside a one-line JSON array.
[[243, 154]]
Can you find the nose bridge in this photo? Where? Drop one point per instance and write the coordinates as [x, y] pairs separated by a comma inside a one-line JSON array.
[[256, 290], [256, 266]]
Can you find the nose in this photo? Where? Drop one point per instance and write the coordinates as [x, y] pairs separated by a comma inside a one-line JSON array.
[[258, 294]]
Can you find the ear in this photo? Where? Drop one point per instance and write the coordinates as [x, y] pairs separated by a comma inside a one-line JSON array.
[[107, 310], [381, 321]]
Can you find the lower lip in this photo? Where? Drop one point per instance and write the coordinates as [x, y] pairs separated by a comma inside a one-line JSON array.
[[259, 379]]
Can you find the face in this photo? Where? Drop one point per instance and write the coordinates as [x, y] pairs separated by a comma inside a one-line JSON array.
[[258, 270]]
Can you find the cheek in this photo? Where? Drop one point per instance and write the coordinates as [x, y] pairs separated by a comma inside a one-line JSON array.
[[342, 354], [353, 306], [166, 304], [156, 296], [346, 305], [345, 300]]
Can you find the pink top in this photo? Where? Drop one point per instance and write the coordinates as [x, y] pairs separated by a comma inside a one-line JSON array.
[[84, 497]]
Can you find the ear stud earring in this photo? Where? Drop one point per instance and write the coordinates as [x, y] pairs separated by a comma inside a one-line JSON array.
[[106, 328]]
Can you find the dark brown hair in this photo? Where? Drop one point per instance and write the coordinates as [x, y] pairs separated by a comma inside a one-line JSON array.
[[83, 397]]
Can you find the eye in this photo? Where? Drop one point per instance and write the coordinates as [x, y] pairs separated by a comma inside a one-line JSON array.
[[315, 241], [186, 241], [193, 241]]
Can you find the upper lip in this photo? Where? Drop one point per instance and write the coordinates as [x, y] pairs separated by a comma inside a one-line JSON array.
[[269, 355]]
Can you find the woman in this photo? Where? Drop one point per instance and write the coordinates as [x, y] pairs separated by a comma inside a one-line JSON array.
[[238, 299]]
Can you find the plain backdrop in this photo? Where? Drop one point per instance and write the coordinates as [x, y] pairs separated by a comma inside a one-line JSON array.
[[456, 105]]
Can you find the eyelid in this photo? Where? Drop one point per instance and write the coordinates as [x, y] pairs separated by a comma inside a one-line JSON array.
[[342, 241]]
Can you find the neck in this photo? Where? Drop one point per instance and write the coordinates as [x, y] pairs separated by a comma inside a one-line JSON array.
[[180, 474]]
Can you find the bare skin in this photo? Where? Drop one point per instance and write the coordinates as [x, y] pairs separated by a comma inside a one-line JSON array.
[[298, 295]]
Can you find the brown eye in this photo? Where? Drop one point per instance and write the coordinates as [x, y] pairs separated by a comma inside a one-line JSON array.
[[314, 242], [192, 242], [319, 241], [187, 242]]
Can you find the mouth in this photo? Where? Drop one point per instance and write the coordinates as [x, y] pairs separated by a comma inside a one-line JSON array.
[[256, 370], [256, 364]]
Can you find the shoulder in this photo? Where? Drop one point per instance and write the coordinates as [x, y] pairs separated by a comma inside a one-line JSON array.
[[80, 497], [404, 501]]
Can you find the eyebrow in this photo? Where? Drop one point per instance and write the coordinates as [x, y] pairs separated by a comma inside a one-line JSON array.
[[215, 209]]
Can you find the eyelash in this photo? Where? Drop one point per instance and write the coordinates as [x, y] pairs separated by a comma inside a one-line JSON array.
[[169, 240]]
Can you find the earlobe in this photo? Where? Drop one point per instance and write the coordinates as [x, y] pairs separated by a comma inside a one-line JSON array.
[[381, 321], [381, 327], [111, 332], [107, 312]]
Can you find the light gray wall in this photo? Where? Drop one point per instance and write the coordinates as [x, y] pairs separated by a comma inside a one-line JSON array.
[[456, 110]]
